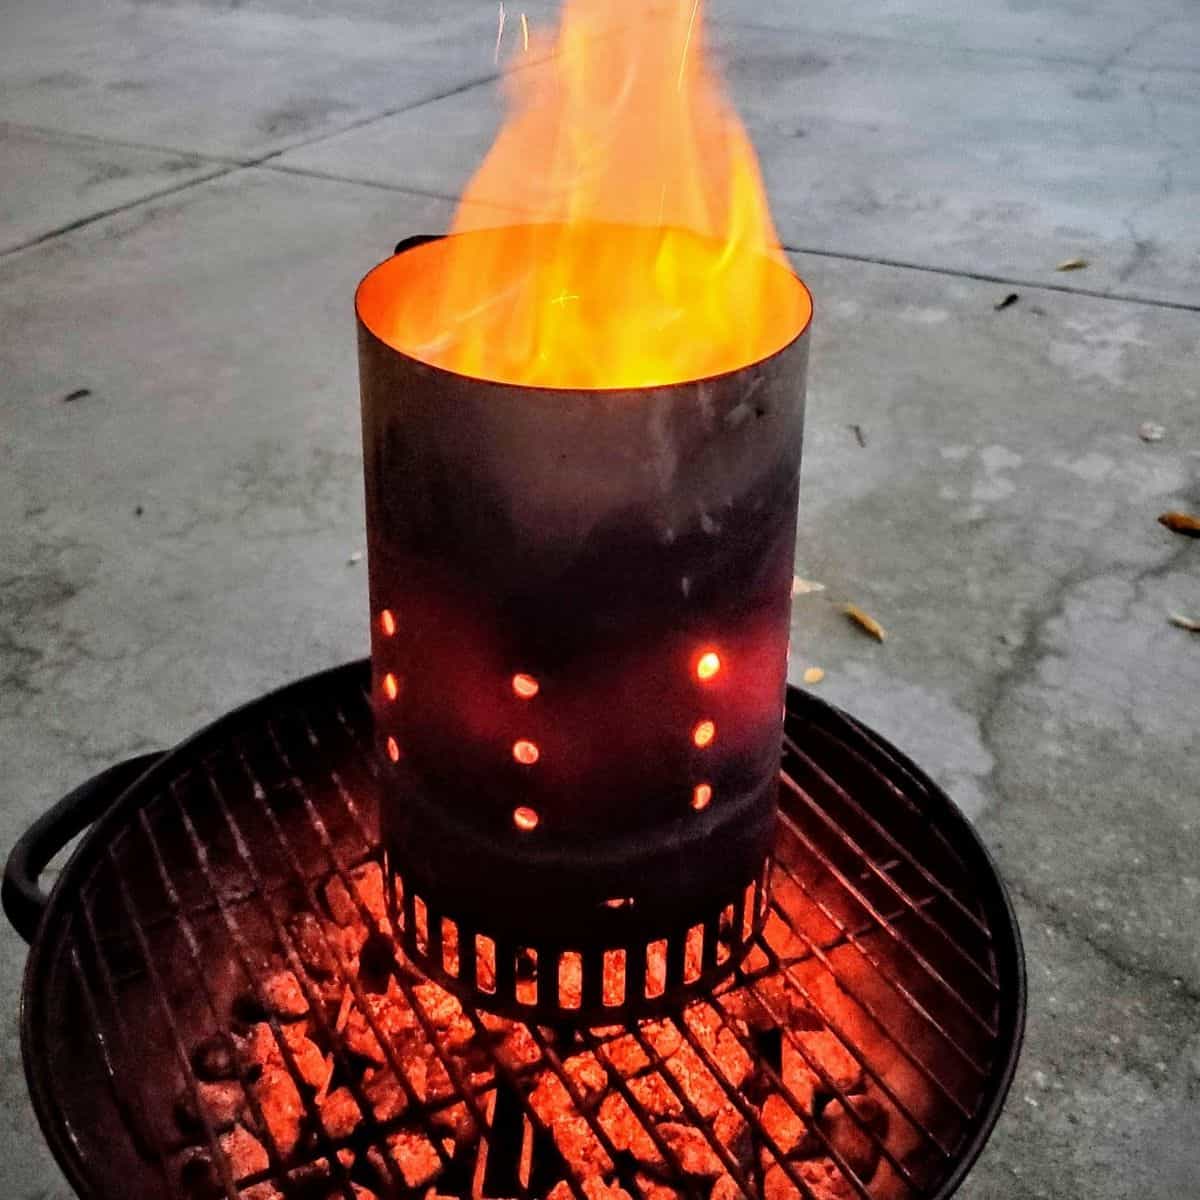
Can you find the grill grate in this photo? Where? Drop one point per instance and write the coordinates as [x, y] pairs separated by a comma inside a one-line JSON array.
[[885, 927]]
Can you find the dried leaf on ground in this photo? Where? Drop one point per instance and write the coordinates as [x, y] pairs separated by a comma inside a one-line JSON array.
[[1191, 624], [814, 675], [1181, 522], [865, 622], [1005, 301], [802, 587], [1072, 264]]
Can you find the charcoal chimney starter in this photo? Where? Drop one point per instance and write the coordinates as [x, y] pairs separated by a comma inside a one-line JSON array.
[[579, 624]]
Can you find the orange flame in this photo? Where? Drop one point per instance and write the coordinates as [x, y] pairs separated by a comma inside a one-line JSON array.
[[642, 250]]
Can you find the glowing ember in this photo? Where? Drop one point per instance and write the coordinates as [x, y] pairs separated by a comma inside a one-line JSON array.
[[526, 753], [708, 666], [704, 733], [525, 686], [647, 254]]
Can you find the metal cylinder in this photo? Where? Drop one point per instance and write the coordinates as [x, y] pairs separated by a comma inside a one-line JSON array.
[[579, 614]]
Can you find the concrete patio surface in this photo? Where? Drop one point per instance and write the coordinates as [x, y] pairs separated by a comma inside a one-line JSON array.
[[188, 195]]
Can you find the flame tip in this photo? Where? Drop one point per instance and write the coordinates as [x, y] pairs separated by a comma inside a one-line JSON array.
[[640, 191]]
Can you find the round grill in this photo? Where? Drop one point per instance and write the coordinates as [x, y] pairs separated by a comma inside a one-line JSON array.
[[862, 1048]]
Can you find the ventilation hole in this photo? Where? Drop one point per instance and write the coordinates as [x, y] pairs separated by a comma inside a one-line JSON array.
[[748, 911], [398, 894], [393, 749], [376, 958], [498, 1164], [614, 978], [450, 947], [527, 975], [525, 686], [387, 622], [570, 979], [391, 688], [656, 968], [525, 819], [708, 666], [421, 924], [701, 796], [526, 752], [704, 733], [485, 963], [694, 954], [725, 936]]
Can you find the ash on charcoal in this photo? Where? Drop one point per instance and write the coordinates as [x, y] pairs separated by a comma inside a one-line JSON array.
[[826, 1054], [786, 1126], [340, 1114], [215, 1058], [223, 1102], [692, 1149], [416, 1156], [626, 1132], [246, 1154], [283, 995], [655, 1096], [853, 1139]]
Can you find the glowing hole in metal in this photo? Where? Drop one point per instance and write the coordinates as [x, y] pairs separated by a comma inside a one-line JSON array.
[[614, 977], [391, 689], [526, 753], [708, 665], [525, 686], [701, 795], [393, 749], [704, 733], [387, 622], [525, 819]]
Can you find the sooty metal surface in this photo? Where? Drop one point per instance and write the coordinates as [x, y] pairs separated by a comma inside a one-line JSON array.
[[212, 980]]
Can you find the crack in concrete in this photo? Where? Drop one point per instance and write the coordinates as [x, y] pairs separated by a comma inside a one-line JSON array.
[[1062, 923], [1143, 248], [114, 210], [1040, 285], [1031, 651], [1011, 54], [1027, 656], [1147, 30], [269, 162], [233, 164]]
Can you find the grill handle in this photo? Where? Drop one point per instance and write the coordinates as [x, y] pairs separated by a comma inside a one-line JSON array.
[[24, 902]]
